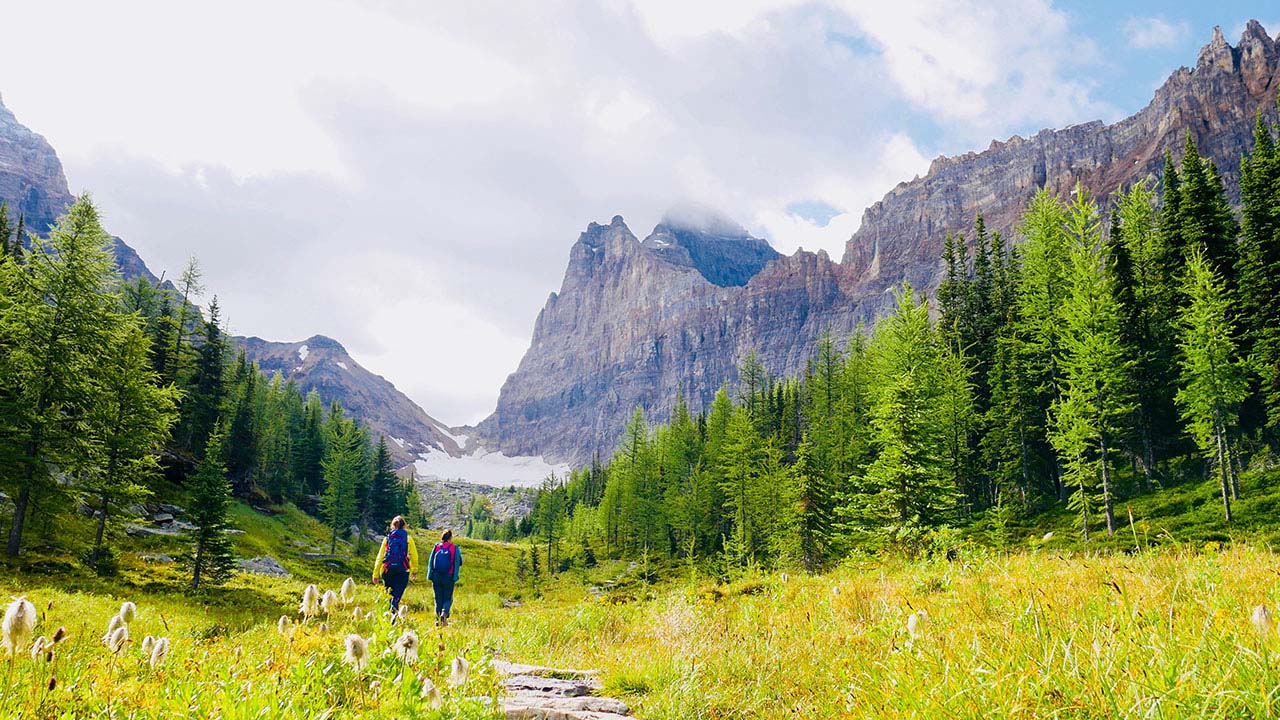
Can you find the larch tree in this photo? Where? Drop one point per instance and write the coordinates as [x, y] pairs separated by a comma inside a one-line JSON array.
[[1089, 418], [1214, 381]]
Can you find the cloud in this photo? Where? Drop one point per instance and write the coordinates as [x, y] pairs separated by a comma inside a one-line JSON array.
[[409, 177], [1155, 32]]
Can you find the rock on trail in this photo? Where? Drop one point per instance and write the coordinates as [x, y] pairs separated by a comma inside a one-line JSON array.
[[534, 692]]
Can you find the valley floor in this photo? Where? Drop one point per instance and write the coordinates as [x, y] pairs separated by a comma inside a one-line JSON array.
[[1037, 633]]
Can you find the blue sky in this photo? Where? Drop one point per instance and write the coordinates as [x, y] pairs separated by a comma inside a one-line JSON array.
[[408, 177]]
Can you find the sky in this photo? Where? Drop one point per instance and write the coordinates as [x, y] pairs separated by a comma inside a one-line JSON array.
[[408, 177]]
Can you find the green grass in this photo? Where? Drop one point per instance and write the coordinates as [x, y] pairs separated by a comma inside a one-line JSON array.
[[1052, 629]]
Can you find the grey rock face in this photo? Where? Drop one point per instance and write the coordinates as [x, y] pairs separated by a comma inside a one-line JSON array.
[[262, 566], [638, 324], [322, 364]]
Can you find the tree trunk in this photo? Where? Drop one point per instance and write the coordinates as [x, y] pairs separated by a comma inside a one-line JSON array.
[[1106, 486], [19, 517], [1224, 476], [97, 539], [195, 570]]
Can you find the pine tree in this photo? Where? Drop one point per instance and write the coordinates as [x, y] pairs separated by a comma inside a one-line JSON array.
[[6, 231], [1259, 267], [211, 558], [132, 419], [385, 499], [341, 465], [1205, 220], [203, 407], [242, 451], [57, 319], [809, 513], [906, 486], [188, 287], [549, 511], [1089, 418], [1213, 376]]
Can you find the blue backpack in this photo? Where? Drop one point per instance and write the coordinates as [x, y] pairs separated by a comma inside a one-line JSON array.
[[442, 559], [397, 556]]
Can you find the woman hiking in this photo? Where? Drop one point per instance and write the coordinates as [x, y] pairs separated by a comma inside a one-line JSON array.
[[442, 571], [397, 563]]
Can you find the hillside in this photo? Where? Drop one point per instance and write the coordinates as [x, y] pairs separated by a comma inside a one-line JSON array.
[[638, 325]]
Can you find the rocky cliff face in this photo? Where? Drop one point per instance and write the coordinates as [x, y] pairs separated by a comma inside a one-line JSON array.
[[901, 236], [637, 324], [32, 183], [322, 364]]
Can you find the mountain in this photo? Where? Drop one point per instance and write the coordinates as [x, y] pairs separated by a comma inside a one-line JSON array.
[[32, 183], [322, 364], [637, 324]]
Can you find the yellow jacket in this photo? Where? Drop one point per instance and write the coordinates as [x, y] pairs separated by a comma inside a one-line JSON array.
[[382, 554]]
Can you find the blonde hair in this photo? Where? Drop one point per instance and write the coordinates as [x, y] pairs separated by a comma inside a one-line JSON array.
[[397, 522]]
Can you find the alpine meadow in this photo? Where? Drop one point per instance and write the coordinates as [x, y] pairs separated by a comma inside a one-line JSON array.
[[1016, 454]]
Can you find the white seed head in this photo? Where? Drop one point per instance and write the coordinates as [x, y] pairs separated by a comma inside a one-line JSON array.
[[402, 612], [118, 638], [1262, 620], [461, 669], [310, 606], [916, 623], [431, 694], [368, 616], [348, 591], [39, 646], [329, 602], [1047, 537], [147, 643], [19, 624], [406, 647], [357, 652], [127, 612], [159, 650], [284, 625]]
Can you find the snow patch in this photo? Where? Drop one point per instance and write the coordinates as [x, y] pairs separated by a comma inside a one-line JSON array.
[[342, 365], [303, 352], [398, 441], [487, 468]]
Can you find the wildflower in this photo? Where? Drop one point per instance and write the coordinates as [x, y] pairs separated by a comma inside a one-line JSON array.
[[348, 591], [431, 694], [461, 669], [916, 623], [118, 638], [1262, 620], [116, 623], [310, 606], [127, 611], [356, 613], [147, 643], [368, 616], [357, 652], [785, 578], [406, 647], [329, 602], [375, 686], [284, 625], [1047, 537], [402, 612], [19, 623], [158, 652], [38, 646]]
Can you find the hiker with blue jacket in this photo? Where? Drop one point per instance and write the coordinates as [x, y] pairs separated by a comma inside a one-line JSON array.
[[442, 571], [397, 562]]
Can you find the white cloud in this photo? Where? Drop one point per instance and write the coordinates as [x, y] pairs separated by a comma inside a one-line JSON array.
[[408, 177], [1146, 33]]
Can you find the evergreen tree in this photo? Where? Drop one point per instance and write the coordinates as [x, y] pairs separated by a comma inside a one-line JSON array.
[[1213, 376], [1205, 220], [341, 466], [203, 407], [906, 486], [385, 497], [1259, 268], [188, 287], [809, 514], [131, 420], [1089, 418], [241, 447], [211, 558], [549, 513], [56, 321], [6, 231]]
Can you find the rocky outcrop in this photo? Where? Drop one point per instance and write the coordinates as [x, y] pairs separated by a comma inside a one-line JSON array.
[[322, 364], [638, 324], [34, 187], [901, 237]]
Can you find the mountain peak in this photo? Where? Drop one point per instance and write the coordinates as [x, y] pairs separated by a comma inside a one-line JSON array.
[[703, 219]]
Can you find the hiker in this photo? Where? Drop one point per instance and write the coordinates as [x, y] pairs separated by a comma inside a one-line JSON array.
[[446, 561], [397, 562]]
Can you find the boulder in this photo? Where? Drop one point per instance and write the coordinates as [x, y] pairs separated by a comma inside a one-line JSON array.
[[262, 566]]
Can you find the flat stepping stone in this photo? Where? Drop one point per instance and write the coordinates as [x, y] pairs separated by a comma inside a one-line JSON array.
[[538, 692]]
